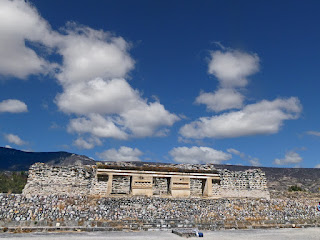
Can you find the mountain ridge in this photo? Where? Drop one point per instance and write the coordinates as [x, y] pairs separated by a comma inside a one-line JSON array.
[[17, 160]]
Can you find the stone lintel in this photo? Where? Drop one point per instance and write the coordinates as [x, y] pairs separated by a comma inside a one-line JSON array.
[[158, 174]]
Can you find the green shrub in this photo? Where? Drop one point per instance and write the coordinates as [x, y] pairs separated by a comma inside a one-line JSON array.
[[294, 188], [12, 182]]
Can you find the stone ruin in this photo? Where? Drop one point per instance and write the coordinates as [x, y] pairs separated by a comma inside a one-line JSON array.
[[175, 181]]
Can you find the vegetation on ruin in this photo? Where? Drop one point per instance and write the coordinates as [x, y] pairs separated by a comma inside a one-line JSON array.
[[12, 182], [294, 188]]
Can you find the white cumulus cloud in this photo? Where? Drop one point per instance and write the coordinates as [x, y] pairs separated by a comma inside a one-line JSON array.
[[88, 54], [86, 143], [198, 155], [13, 106], [92, 75], [119, 109], [252, 160], [99, 96], [15, 139], [103, 99], [109, 105], [232, 67], [147, 120], [98, 126], [220, 100], [20, 22], [123, 154], [265, 117], [317, 166], [291, 157], [93, 72]]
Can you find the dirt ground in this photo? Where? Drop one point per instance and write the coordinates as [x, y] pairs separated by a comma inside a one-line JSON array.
[[276, 234]]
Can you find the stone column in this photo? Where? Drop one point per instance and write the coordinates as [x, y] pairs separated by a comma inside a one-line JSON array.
[[109, 189], [207, 192]]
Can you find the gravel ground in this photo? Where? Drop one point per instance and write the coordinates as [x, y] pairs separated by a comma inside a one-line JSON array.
[[282, 234]]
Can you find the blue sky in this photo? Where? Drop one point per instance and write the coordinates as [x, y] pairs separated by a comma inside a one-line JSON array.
[[169, 81]]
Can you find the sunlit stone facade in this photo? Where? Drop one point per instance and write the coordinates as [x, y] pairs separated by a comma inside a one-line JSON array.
[[174, 182]]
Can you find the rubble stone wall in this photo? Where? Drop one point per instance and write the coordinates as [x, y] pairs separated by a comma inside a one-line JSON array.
[[120, 184], [250, 179], [99, 186], [154, 213], [196, 187], [251, 183], [82, 180], [216, 189], [160, 186], [46, 180]]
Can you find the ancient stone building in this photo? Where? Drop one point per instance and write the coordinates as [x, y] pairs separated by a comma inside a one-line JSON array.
[[148, 180]]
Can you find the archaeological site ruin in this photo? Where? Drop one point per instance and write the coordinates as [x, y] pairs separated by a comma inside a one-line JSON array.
[[113, 179]]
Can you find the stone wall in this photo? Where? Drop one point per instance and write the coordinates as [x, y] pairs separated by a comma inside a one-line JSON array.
[[250, 179], [216, 190], [196, 187], [100, 185], [120, 185], [251, 183], [45, 180], [160, 186], [82, 180], [154, 213]]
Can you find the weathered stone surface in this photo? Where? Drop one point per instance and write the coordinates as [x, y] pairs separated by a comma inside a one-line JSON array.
[[150, 212], [100, 186], [121, 185], [160, 186], [85, 180], [250, 183], [196, 187], [45, 180]]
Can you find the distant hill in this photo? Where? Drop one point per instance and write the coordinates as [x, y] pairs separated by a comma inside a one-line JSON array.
[[16, 160]]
